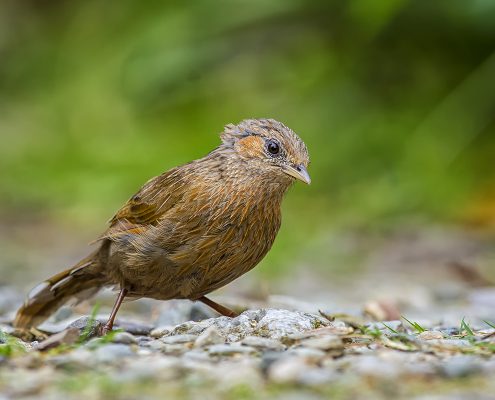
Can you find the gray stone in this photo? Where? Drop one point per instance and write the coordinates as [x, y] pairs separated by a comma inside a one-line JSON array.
[[263, 343], [229, 349], [461, 366], [489, 366], [450, 331], [229, 374], [124, 338], [268, 358], [176, 348], [134, 328], [161, 331], [327, 342], [155, 345], [209, 337], [26, 383], [450, 342], [78, 358], [193, 328], [149, 367], [112, 352], [422, 369], [275, 324], [144, 351], [317, 377], [372, 365], [177, 339], [270, 323], [143, 340], [196, 355], [279, 323], [90, 327], [287, 370], [67, 337], [307, 353]]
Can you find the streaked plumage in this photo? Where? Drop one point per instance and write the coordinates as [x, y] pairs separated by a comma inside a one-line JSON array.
[[193, 229]]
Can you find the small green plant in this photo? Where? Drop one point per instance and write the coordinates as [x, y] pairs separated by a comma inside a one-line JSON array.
[[465, 327], [373, 332], [110, 336], [490, 324], [10, 346], [486, 346], [389, 328], [415, 325], [90, 325]]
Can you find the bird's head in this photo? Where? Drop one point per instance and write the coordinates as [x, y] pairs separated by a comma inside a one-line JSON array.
[[270, 146]]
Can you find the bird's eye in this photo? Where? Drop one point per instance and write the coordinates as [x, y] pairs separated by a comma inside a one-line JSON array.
[[273, 147]]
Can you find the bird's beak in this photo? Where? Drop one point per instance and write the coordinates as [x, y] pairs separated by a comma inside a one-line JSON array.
[[299, 172]]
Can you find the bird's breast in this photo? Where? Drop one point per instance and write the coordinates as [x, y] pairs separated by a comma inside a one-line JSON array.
[[228, 236]]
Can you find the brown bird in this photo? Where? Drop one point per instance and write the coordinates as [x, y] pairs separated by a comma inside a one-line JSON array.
[[191, 230]]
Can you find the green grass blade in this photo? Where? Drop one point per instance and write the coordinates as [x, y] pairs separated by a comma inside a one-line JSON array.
[[415, 325], [466, 327]]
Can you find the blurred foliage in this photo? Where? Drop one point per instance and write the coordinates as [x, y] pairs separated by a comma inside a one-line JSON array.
[[394, 98]]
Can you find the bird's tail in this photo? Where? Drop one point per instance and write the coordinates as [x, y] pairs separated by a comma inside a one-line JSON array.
[[79, 282]]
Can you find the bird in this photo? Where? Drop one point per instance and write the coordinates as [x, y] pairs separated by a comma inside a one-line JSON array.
[[189, 231]]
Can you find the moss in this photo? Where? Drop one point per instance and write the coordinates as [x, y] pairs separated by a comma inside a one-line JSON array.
[[10, 346]]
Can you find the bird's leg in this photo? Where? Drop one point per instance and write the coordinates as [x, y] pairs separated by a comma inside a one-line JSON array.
[[218, 307], [109, 325]]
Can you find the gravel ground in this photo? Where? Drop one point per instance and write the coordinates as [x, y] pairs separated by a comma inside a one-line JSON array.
[[405, 325], [263, 353]]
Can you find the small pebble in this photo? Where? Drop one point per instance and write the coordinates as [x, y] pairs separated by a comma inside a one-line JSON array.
[[154, 345], [124, 338], [209, 337], [67, 337], [430, 335], [112, 352], [327, 342], [87, 325], [307, 353], [451, 342], [177, 339], [461, 366], [176, 348], [161, 331], [80, 357], [228, 349], [262, 343], [135, 328], [287, 370]]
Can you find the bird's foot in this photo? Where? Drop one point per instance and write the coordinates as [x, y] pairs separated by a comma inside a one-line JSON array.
[[105, 329]]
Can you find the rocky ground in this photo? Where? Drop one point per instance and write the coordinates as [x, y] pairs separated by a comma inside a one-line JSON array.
[[407, 324], [263, 353]]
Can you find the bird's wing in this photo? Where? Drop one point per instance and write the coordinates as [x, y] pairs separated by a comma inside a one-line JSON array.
[[148, 205]]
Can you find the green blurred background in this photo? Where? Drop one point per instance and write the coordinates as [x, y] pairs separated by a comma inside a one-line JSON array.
[[395, 100]]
